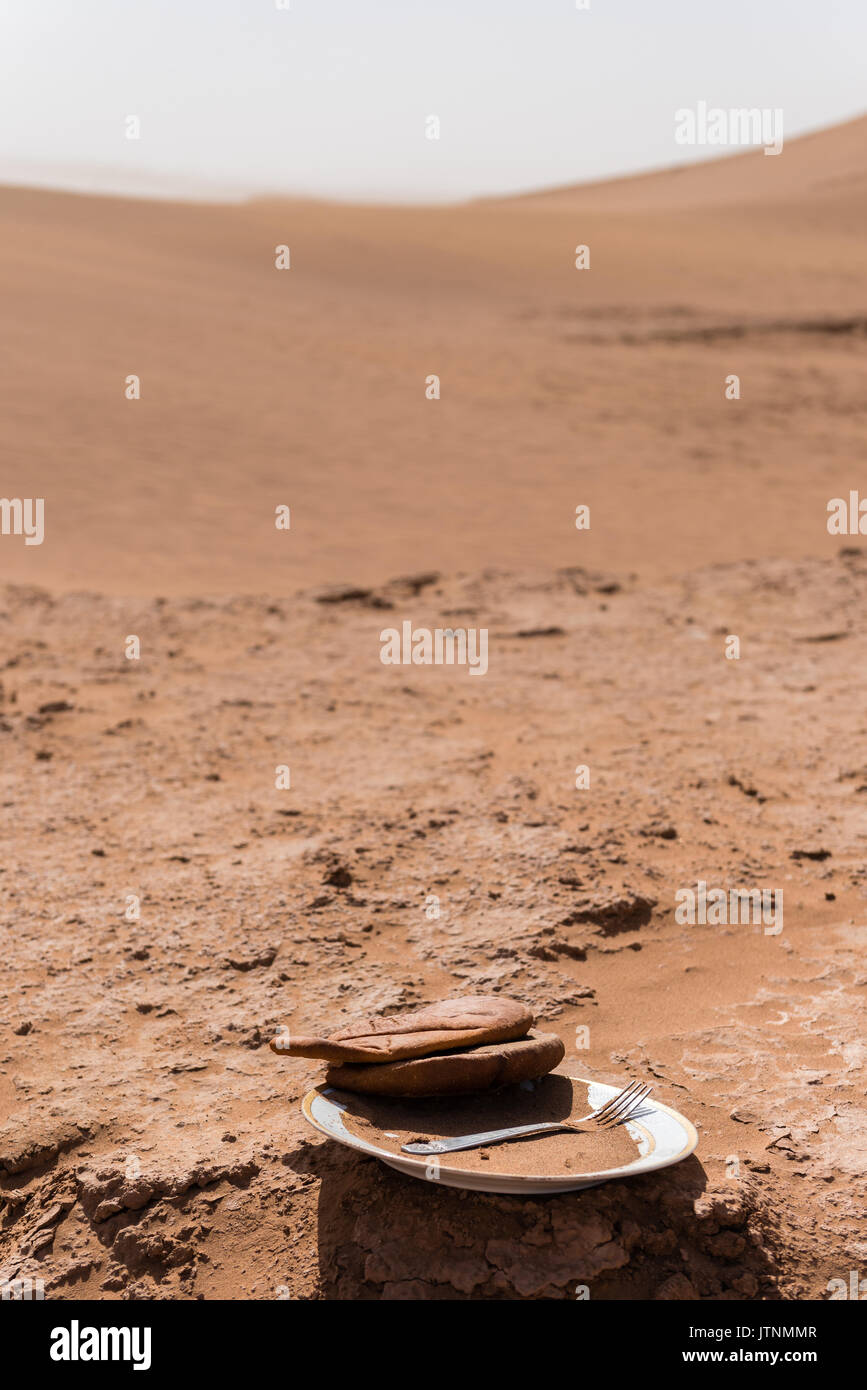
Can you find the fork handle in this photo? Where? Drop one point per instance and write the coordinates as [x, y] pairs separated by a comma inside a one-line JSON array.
[[478, 1141]]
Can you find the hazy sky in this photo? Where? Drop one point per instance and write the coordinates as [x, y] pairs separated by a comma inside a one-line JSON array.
[[331, 96]]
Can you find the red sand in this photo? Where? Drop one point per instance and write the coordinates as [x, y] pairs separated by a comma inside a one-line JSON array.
[[151, 1143]]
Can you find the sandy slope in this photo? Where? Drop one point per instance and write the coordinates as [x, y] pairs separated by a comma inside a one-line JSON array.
[[306, 386], [150, 1142], [826, 167]]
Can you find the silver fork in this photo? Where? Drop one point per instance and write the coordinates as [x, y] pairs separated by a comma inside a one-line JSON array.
[[614, 1112]]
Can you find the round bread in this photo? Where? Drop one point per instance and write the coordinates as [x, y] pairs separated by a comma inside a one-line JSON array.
[[454, 1073], [463, 1022]]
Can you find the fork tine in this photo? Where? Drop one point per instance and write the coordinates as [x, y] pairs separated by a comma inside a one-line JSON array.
[[616, 1100], [615, 1117], [626, 1111], [627, 1107], [636, 1108], [635, 1102], [614, 1106]]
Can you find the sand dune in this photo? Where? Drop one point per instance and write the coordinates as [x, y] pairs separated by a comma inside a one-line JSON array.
[[307, 386], [828, 165]]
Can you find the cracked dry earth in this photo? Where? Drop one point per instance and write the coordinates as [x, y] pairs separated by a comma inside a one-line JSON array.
[[151, 1145]]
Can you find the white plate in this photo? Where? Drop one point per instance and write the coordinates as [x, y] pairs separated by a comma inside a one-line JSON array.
[[662, 1135]]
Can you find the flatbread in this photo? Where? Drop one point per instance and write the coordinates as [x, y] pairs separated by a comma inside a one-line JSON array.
[[455, 1073], [464, 1022]]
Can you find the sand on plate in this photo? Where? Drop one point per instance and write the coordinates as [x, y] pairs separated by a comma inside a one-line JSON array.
[[391, 1124]]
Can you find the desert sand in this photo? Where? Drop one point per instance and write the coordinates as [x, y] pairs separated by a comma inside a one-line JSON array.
[[150, 1142]]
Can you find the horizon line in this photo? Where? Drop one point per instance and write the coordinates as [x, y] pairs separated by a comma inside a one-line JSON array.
[[192, 188]]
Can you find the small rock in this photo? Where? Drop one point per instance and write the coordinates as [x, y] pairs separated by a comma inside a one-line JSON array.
[[676, 1289], [743, 1117]]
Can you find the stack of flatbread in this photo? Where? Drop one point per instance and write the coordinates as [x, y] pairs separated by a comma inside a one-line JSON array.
[[461, 1045]]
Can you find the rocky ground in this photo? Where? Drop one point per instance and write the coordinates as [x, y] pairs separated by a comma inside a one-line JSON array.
[[165, 906]]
